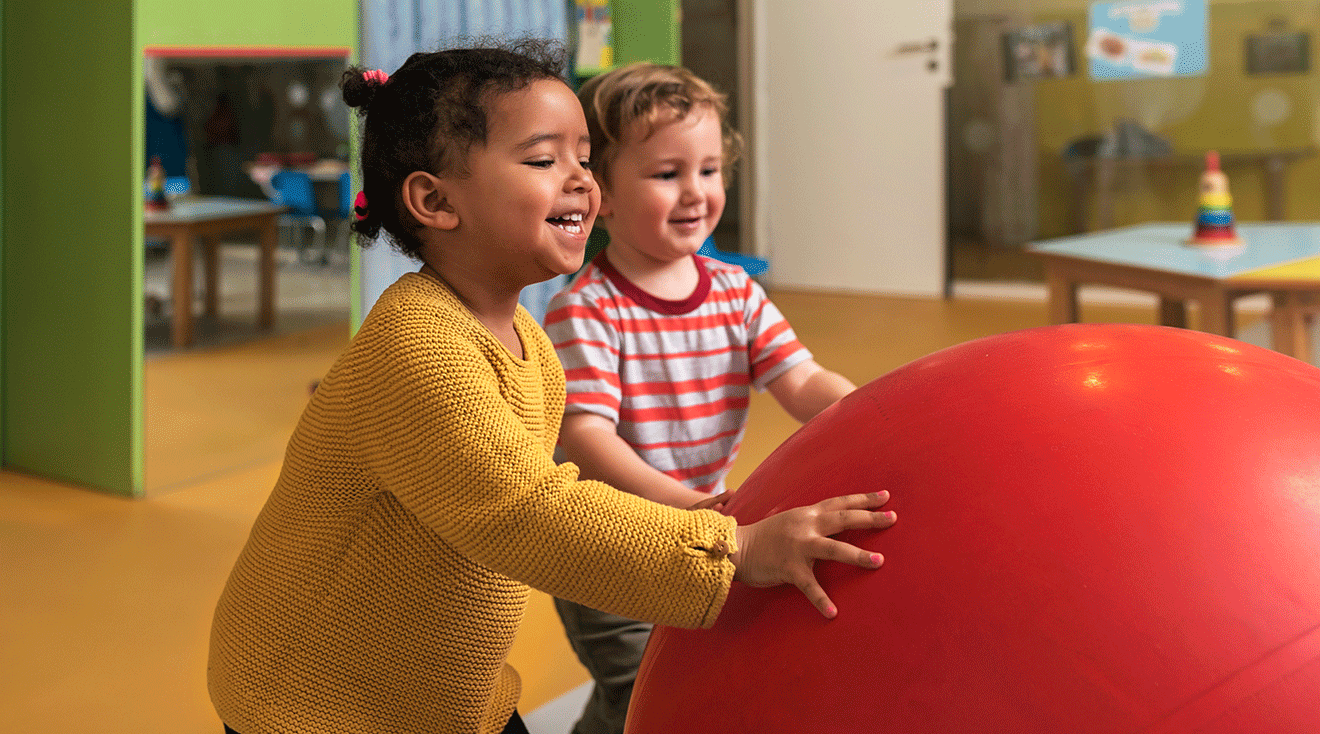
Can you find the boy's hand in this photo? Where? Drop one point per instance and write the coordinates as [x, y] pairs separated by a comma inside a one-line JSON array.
[[714, 502], [783, 548]]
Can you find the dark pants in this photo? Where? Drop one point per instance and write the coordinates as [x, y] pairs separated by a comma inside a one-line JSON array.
[[515, 726], [610, 647]]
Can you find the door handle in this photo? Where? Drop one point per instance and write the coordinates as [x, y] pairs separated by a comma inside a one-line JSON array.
[[917, 47]]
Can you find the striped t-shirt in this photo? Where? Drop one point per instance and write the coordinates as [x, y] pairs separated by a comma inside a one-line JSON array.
[[674, 376]]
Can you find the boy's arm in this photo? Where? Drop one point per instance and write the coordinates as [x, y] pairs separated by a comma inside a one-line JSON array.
[[807, 388], [590, 441]]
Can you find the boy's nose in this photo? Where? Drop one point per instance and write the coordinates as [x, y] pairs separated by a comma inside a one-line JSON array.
[[691, 190]]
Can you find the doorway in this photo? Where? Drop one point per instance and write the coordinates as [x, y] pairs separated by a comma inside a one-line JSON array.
[[712, 48], [242, 130]]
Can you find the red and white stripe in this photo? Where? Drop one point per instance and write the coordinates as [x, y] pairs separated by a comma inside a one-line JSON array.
[[674, 376]]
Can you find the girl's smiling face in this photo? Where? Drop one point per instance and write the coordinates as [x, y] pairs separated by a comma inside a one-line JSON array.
[[666, 192], [527, 198]]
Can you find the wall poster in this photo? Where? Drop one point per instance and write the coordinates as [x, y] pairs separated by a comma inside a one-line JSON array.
[[1141, 40]]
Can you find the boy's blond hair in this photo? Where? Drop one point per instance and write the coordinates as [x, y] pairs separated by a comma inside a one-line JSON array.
[[647, 95]]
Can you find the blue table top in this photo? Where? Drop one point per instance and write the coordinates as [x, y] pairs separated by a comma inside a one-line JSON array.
[[1161, 247]]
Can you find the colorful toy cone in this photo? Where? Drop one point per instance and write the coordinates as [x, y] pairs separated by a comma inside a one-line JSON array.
[[1214, 217]]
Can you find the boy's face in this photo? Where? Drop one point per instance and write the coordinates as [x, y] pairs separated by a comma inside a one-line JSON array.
[[666, 193], [527, 201]]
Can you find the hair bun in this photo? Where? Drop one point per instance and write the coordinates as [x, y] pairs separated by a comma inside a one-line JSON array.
[[359, 86]]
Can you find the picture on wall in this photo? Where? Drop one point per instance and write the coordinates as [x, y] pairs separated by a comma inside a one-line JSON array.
[[1140, 40], [1043, 51], [1278, 53]]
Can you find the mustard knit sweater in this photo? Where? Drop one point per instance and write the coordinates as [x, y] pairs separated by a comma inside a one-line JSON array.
[[384, 580]]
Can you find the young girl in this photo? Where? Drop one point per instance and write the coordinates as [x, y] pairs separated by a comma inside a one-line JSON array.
[[662, 347], [384, 580]]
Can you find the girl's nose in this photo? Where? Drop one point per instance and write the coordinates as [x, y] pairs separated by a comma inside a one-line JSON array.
[[580, 179]]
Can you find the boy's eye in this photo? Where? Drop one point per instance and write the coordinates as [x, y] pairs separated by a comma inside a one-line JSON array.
[[666, 175], [710, 171]]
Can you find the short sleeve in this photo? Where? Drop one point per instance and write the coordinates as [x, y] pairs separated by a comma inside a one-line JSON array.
[[587, 342], [772, 346]]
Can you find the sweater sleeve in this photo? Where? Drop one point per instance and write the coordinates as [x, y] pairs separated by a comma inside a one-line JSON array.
[[438, 432]]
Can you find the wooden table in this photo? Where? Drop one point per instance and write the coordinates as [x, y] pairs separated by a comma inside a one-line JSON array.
[[1281, 258], [207, 218], [1096, 176]]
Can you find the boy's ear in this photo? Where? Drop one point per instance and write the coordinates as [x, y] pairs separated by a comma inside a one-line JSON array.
[[427, 201], [606, 206]]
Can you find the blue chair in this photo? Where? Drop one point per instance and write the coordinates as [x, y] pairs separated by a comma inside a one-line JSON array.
[[176, 186], [293, 189], [754, 266]]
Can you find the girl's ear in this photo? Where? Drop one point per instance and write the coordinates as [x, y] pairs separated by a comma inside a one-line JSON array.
[[427, 201]]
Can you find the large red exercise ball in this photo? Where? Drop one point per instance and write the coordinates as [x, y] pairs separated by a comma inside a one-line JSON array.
[[1101, 528]]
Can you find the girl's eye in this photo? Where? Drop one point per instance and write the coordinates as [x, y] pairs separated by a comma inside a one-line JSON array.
[[540, 164], [587, 163]]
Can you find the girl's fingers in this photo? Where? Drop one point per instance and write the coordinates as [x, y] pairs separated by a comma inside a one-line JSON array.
[[816, 595], [835, 522], [870, 500], [829, 549]]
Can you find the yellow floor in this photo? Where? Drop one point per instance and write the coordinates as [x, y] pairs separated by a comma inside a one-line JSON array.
[[107, 601]]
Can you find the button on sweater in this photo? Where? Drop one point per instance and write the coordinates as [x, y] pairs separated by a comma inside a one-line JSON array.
[[384, 580]]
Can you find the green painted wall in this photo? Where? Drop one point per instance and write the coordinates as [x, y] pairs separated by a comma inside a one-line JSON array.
[[2, 237], [646, 30], [247, 23], [71, 263], [71, 320]]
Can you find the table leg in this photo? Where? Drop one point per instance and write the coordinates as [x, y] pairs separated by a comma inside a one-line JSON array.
[[181, 327], [1063, 298], [1289, 325], [266, 276], [1104, 192], [1078, 180], [211, 264], [1274, 195], [1217, 314], [1173, 312]]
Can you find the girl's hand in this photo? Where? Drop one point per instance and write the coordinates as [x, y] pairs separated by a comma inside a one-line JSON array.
[[714, 502], [783, 548]]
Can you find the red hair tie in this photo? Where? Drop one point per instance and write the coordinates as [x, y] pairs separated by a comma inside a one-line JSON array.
[[376, 76], [360, 206]]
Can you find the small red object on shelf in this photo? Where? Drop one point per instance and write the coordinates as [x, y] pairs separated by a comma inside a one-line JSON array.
[[155, 195]]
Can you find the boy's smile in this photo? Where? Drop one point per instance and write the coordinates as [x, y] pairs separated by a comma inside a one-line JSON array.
[[527, 201]]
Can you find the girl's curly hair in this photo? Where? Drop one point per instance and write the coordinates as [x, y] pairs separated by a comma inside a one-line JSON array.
[[426, 116]]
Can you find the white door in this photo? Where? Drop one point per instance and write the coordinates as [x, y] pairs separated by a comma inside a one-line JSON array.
[[848, 97]]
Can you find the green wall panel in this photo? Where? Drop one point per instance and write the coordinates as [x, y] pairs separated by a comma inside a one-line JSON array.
[[646, 30], [71, 320], [2, 237], [71, 263], [248, 23]]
